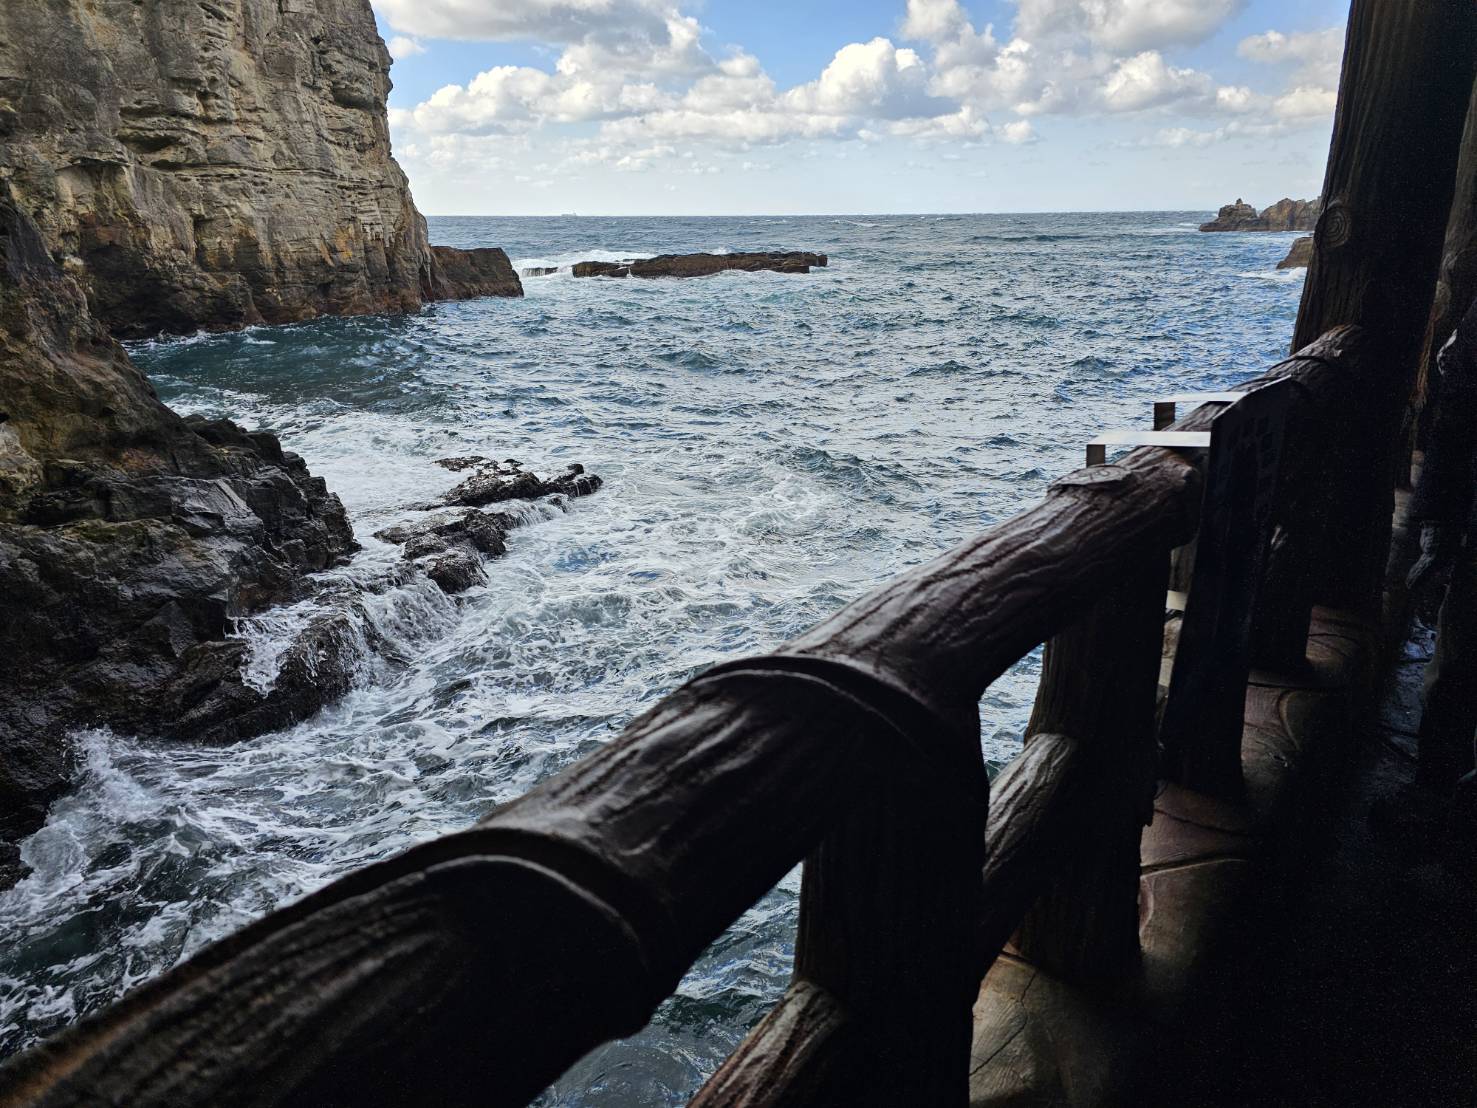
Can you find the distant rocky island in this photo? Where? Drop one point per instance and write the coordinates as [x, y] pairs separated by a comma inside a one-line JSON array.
[[691, 265], [171, 167], [703, 265], [1285, 215]]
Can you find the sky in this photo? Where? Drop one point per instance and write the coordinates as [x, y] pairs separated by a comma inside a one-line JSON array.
[[717, 107]]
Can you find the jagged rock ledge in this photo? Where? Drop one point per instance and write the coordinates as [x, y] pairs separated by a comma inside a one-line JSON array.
[[449, 546], [702, 265], [1285, 215], [1300, 256]]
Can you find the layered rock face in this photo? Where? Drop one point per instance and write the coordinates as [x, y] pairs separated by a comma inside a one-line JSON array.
[[702, 265], [218, 164], [1285, 215], [129, 537]]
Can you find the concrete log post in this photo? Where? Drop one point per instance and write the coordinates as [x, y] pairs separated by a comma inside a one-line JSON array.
[[1403, 96]]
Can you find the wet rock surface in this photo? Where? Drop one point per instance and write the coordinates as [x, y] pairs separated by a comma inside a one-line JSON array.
[[203, 165], [449, 546], [702, 265], [129, 538], [1285, 215], [495, 482]]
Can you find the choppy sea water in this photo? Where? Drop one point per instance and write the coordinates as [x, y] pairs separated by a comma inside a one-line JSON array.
[[772, 447]]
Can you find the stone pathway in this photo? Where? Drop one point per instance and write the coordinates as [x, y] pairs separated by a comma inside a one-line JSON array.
[[1371, 989]]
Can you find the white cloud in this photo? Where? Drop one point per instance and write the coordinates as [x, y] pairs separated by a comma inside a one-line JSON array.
[[874, 80], [1316, 55], [1018, 133], [639, 72], [403, 47], [1126, 25], [1303, 103], [1146, 81], [556, 21], [608, 36]]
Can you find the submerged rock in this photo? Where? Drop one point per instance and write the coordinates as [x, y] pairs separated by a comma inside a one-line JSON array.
[[1300, 256], [1285, 215], [702, 265], [447, 545], [217, 165], [539, 271], [129, 538]]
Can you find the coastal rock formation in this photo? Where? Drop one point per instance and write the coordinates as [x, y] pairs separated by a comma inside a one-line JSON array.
[[449, 546], [1285, 215], [702, 265], [212, 165], [485, 271], [129, 537], [1300, 256]]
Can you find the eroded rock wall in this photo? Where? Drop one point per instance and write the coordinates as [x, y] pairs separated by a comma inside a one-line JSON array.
[[129, 537], [216, 163]]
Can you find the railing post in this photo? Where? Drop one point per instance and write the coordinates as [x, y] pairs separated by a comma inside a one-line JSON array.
[[1201, 726], [1098, 689], [886, 969], [1387, 196], [1337, 381]]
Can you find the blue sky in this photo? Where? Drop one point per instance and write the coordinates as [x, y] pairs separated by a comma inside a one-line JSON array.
[[664, 106]]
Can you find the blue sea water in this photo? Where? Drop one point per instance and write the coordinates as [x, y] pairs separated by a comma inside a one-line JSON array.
[[772, 447]]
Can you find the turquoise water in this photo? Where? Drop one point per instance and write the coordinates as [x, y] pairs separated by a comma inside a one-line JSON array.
[[772, 446]]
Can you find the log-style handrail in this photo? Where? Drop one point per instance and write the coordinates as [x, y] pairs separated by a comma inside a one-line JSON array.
[[476, 968]]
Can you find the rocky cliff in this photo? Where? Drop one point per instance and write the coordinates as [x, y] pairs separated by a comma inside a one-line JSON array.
[[216, 163], [165, 166], [129, 537], [1285, 215]]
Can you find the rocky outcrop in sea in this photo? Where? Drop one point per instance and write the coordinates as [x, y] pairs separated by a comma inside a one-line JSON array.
[[1300, 256], [449, 546], [213, 165], [1285, 215], [702, 265]]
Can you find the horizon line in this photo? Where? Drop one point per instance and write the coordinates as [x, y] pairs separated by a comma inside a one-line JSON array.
[[804, 215]]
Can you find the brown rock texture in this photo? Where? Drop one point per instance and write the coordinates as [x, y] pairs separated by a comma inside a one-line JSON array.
[[216, 164], [485, 271], [1300, 256], [1285, 215], [702, 265]]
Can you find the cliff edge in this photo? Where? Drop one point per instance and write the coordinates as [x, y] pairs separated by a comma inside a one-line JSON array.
[[213, 165]]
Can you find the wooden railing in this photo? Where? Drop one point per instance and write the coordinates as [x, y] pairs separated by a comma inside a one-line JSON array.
[[474, 969]]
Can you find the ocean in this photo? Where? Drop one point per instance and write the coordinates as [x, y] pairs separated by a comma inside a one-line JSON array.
[[772, 447]]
